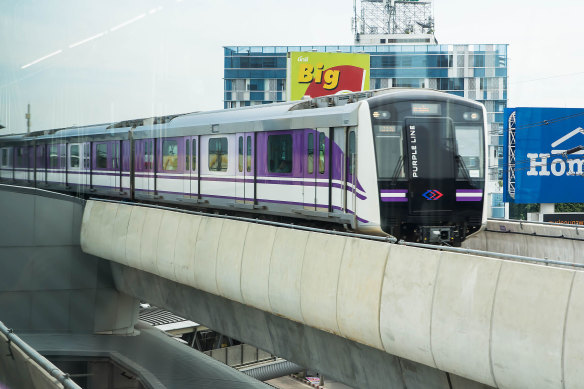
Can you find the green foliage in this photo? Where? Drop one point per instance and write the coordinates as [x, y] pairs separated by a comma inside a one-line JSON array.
[[519, 211], [570, 207]]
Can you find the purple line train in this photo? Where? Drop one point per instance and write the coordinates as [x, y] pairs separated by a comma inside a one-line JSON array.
[[406, 162]]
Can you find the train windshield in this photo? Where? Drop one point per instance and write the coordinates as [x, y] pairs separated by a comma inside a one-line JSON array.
[[460, 130]]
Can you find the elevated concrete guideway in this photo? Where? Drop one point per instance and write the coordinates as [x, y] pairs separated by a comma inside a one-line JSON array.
[[384, 314]]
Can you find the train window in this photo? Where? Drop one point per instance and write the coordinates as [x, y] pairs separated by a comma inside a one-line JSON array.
[[352, 152], [240, 153], [86, 156], [248, 153], [321, 151], [468, 142], [20, 157], [194, 154], [4, 157], [218, 154], [63, 155], [310, 156], [116, 156], [41, 162], [280, 153], [169, 155], [74, 156], [101, 156], [389, 151], [187, 155], [148, 155], [53, 157]]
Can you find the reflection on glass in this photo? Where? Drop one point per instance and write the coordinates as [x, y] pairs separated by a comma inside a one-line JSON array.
[[101, 156], [169, 155], [280, 153], [218, 157], [74, 156]]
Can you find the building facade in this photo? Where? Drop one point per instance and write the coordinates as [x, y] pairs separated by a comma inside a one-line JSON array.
[[255, 75]]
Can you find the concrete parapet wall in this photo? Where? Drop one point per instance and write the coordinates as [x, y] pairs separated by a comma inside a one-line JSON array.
[[47, 284], [500, 323], [539, 240]]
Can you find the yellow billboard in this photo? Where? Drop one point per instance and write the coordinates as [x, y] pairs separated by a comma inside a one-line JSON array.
[[311, 74]]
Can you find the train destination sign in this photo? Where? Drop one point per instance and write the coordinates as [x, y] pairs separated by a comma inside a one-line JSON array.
[[311, 74], [544, 155]]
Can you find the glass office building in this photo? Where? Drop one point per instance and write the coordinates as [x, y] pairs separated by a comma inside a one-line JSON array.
[[257, 75]]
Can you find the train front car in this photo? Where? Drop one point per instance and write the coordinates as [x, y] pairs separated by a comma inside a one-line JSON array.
[[431, 165]]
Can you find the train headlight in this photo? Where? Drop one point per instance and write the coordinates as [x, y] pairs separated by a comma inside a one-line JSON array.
[[471, 116], [381, 115]]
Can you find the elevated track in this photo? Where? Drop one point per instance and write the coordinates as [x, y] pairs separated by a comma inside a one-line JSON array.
[[377, 310]]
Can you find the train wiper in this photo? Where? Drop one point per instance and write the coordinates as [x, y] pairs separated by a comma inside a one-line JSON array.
[[463, 167], [397, 170]]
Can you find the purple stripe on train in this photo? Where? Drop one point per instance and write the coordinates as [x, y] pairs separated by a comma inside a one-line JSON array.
[[394, 195], [469, 195]]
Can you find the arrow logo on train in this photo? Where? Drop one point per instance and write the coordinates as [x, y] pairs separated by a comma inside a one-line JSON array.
[[432, 194]]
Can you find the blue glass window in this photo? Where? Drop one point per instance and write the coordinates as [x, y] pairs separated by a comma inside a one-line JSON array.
[[256, 84], [456, 84], [256, 95], [479, 61], [408, 82]]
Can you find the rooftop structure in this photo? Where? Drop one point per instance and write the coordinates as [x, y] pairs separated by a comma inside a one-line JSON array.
[[393, 22]]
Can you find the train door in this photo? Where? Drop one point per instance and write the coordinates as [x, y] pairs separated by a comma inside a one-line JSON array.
[[322, 169], [310, 159], [249, 168], [116, 181], [432, 153], [144, 167], [30, 164], [195, 167], [244, 173], [190, 184], [338, 168], [187, 175], [86, 165], [41, 164], [240, 169], [350, 192]]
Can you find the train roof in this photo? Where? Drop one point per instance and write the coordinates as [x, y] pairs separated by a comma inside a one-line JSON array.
[[327, 111]]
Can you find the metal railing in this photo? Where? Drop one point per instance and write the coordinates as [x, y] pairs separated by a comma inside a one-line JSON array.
[[41, 361]]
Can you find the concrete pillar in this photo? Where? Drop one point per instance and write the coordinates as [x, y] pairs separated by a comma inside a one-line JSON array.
[[545, 208]]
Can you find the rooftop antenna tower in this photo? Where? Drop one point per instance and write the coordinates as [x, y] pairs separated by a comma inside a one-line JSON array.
[[392, 17]]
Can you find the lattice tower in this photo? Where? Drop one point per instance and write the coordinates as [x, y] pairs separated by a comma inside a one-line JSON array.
[[393, 17], [412, 17]]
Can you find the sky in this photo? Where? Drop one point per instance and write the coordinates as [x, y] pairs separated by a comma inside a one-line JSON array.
[[79, 62]]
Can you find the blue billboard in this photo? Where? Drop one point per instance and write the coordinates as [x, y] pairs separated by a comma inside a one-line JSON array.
[[543, 155]]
